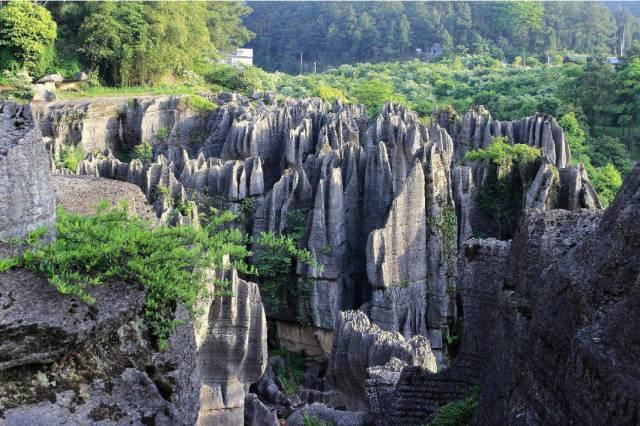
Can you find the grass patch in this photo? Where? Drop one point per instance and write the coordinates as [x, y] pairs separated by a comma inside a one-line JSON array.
[[101, 91], [199, 104]]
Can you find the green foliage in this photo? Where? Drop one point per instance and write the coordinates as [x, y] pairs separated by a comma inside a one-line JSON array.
[[135, 43], [20, 83], [275, 257], [457, 413], [144, 152], [606, 180], [330, 94], [242, 79], [373, 94], [605, 150], [111, 244], [28, 31], [309, 420], [72, 156], [197, 103], [292, 374], [501, 154], [500, 196], [162, 133], [447, 225]]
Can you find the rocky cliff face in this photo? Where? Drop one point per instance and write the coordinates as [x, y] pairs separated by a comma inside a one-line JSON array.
[[67, 362], [27, 201], [566, 319], [386, 207]]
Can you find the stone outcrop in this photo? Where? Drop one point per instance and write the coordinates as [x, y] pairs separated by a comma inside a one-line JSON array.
[[27, 201], [358, 344], [399, 394], [565, 323], [231, 337], [477, 129], [321, 413], [101, 124]]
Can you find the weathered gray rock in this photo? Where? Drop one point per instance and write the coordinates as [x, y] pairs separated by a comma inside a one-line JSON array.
[[400, 394], [321, 412], [257, 414], [27, 201], [131, 398], [565, 322], [544, 189], [61, 323], [358, 344], [51, 78], [231, 336]]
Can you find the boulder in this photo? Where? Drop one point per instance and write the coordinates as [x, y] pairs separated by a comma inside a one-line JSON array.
[[51, 78]]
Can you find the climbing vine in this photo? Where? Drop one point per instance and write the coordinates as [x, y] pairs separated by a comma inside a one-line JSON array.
[[447, 224]]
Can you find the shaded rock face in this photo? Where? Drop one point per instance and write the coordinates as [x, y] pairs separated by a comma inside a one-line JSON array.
[[565, 328], [27, 201], [322, 413], [400, 394], [358, 344]]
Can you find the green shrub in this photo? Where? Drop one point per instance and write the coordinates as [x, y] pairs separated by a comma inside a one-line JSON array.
[[457, 413], [144, 152], [500, 153], [330, 94], [72, 156], [292, 374], [162, 133], [20, 83], [197, 103], [309, 420], [500, 196]]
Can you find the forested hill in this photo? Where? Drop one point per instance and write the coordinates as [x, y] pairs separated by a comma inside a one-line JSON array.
[[333, 33]]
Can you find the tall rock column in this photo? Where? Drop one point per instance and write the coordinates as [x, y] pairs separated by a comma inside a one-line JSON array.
[[231, 336], [27, 200]]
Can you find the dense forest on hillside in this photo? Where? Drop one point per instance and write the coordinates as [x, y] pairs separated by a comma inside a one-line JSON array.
[[507, 56], [325, 34]]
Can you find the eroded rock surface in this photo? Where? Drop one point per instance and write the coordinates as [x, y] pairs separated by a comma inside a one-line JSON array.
[[359, 344], [27, 201]]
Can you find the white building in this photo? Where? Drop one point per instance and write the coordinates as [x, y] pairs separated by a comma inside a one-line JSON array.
[[239, 57]]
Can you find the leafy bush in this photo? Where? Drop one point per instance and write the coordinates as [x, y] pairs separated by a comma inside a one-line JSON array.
[[20, 83], [330, 94], [292, 374], [72, 156], [500, 153], [606, 181], [309, 420], [240, 79], [500, 196], [162, 133], [457, 413], [197, 103], [28, 31], [144, 152]]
